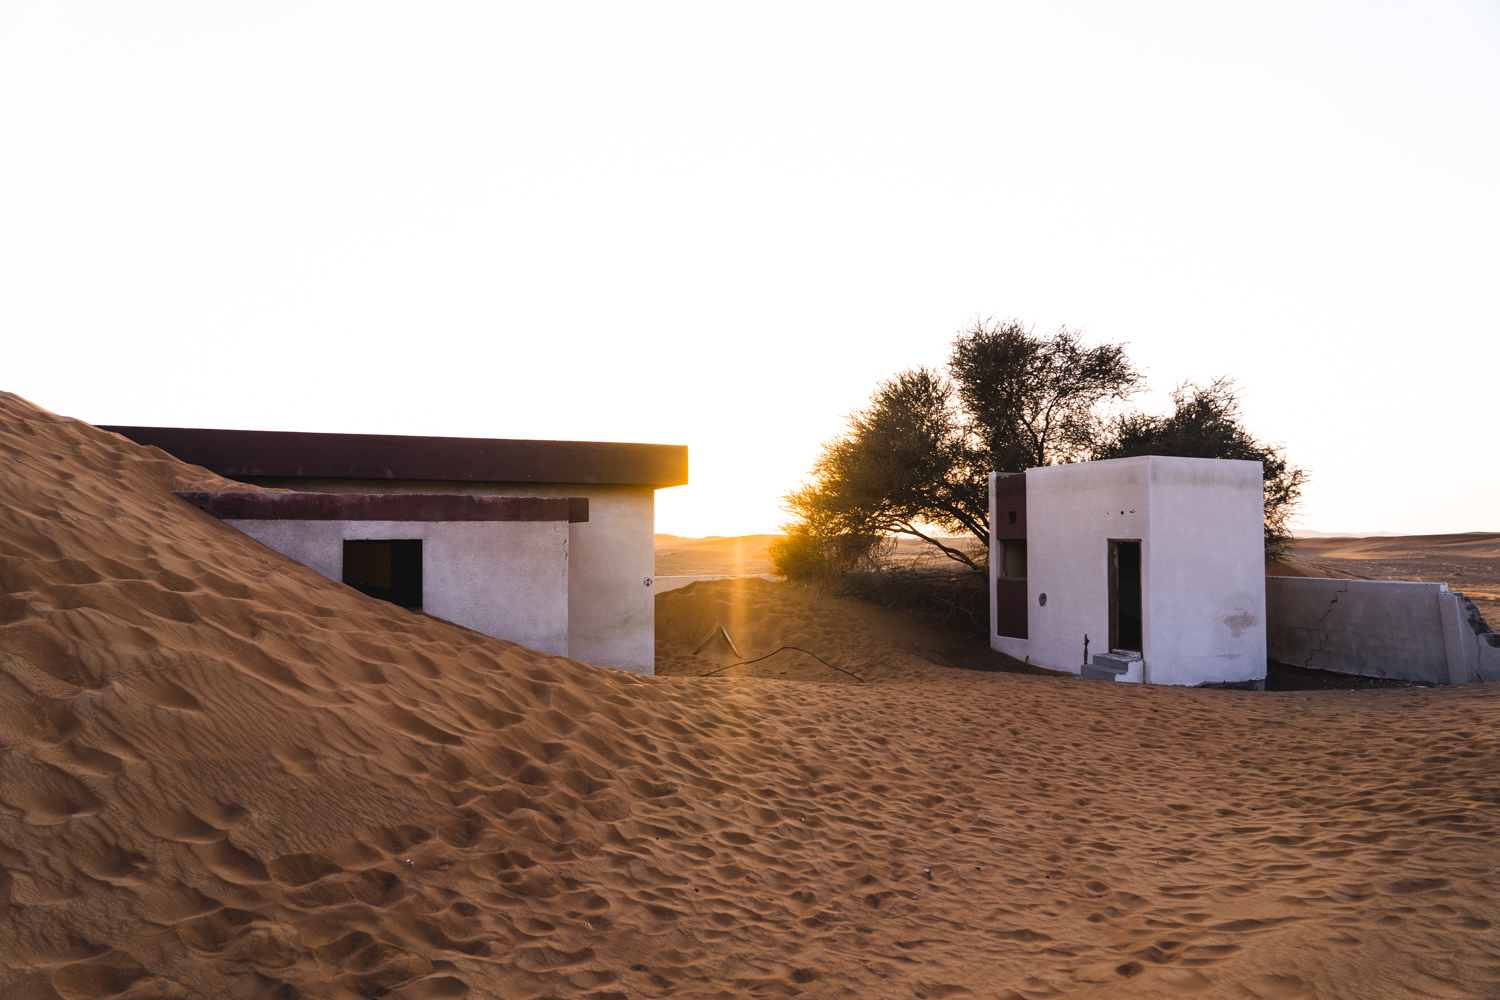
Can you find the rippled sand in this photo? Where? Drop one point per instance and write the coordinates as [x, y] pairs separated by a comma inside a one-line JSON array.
[[222, 775]]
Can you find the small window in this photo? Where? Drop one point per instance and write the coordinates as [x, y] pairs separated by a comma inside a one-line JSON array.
[[1012, 518], [389, 569], [1013, 558]]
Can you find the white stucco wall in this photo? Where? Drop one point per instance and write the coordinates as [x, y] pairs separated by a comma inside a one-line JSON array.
[[1199, 522], [1071, 513], [508, 579], [612, 559], [1205, 603]]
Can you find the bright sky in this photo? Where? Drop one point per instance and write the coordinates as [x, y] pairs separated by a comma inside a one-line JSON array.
[[720, 224]]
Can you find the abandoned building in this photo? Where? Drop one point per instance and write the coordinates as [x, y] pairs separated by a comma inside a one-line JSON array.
[[1146, 569], [546, 543]]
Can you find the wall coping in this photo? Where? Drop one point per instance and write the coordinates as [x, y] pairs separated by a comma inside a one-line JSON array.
[[238, 454], [274, 506]]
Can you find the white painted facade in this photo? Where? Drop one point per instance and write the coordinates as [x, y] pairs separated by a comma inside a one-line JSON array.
[[611, 559], [1203, 599], [508, 579]]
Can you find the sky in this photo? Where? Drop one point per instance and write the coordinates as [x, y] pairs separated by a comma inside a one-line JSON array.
[[721, 225]]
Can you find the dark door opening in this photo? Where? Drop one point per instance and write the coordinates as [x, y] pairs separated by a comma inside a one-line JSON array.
[[388, 569], [1125, 596]]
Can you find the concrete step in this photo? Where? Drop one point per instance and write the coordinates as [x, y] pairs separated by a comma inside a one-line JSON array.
[[1106, 667]]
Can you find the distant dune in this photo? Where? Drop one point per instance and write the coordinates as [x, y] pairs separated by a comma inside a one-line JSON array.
[[1306, 533], [739, 555]]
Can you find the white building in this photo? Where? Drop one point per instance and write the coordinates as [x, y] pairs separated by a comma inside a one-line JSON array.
[[611, 556], [497, 565], [1153, 568]]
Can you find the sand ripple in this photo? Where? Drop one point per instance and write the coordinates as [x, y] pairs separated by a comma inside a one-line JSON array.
[[222, 775]]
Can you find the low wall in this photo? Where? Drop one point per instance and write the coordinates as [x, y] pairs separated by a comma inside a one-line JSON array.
[[1413, 631]]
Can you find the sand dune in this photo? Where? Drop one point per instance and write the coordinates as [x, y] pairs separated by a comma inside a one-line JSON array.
[[222, 775], [738, 555]]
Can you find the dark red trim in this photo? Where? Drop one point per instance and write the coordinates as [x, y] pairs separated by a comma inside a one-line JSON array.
[[1011, 609], [243, 454], [270, 506], [1010, 495]]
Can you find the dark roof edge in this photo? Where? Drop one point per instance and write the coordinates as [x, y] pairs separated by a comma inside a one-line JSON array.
[[273, 506], [239, 454]]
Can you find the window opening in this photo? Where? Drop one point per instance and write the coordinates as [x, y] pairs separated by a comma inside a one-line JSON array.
[[1013, 558], [390, 569]]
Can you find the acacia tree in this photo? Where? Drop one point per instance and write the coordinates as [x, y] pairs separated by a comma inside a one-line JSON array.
[[1034, 401], [906, 467], [916, 461]]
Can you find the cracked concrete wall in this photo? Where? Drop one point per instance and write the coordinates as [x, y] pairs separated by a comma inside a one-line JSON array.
[[1473, 650], [1406, 630]]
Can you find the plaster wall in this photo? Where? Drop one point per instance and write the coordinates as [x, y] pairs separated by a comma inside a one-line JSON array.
[[1407, 630], [611, 559], [1072, 512], [508, 579], [1199, 522], [1205, 599]]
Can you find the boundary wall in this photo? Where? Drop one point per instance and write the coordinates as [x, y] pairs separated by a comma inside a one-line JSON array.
[[1412, 631]]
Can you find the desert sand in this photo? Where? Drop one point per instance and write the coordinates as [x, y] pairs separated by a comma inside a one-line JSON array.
[[740, 555], [222, 775]]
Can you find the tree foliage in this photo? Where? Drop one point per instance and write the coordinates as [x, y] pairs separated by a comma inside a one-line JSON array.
[[916, 461], [1205, 423], [1032, 401], [905, 467]]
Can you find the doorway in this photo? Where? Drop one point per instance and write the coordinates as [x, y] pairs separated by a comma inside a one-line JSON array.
[[1125, 621], [390, 569]]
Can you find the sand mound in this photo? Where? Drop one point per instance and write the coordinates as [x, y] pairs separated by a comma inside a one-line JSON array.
[[739, 555], [222, 775], [793, 632]]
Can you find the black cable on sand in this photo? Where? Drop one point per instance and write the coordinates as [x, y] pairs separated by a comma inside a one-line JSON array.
[[779, 649]]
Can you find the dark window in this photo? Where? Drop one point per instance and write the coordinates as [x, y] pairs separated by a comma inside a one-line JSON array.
[[1012, 517], [388, 569], [1125, 621], [1013, 558]]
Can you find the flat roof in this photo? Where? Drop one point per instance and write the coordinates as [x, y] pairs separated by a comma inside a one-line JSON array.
[[289, 506], [250, 454]]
